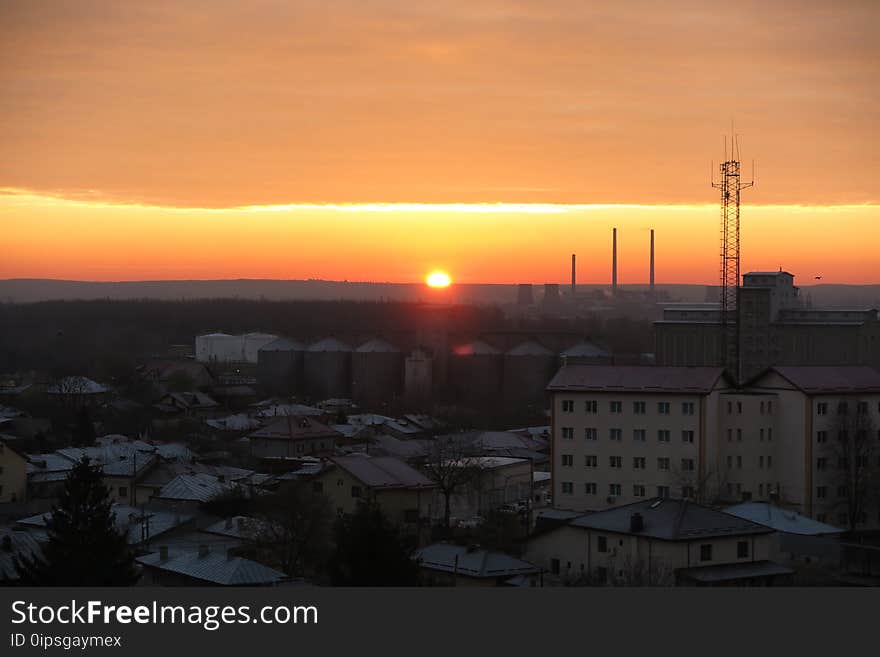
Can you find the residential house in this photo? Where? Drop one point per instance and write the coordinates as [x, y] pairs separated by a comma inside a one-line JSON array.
[[293, 435], [444, 564]]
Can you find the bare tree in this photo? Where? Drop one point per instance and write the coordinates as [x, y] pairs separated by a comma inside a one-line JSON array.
[[450, 467], [704, 487], [854, 459]]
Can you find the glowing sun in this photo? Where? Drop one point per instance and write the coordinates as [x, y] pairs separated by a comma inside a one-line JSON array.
[[438, 279]]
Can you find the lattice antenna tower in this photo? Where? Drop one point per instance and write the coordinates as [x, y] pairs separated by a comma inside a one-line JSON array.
[[731, 184]]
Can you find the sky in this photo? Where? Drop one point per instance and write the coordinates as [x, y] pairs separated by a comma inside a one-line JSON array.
[[344, 139]]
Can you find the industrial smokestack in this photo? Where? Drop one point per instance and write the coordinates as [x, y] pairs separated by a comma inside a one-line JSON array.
[[573, 274], [614, 263], [652, 261]]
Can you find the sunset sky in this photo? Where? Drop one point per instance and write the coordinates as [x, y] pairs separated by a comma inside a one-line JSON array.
[[379, 140]]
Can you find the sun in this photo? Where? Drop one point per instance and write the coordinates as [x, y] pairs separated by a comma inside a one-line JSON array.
[[438, 279]]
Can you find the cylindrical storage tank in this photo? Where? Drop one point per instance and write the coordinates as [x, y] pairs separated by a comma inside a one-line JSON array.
[[251, 343], [280, 366], [327, 369], [376, 372], [528, 368], [475, 371], [585, 353], [418, 376]]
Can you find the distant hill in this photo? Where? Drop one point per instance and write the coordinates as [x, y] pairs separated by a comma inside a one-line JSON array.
[[26, 290]]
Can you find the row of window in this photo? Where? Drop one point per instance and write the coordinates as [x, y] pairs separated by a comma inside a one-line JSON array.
[[861, 461], [763, 434], [591, 406], [638, 490], [843, 436], [639, 462], [843, 408], [766, 407], [822, 492], [639, 435], [762, 461], [743, 551]]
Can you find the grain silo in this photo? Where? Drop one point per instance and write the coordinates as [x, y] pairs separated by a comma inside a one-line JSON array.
[[376, 372], [327, 369], [475, 371], [528, 368], [251, 343], [585, 353], [280, 366], [418, 377]]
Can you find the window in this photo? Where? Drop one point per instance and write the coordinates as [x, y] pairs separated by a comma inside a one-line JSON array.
[[567, 460], [591, 461], [662, 491], [761, 433], [567, 488], [616, 434], [762, 408], [663, 408], [822, 408], [730, 435], [663, 463], [638, 490], [687, 408], [615, 461], [639, 435], [742, 549], [614, 489], [568, 405], [687, 492], [590, 488], [769, 461], [729, 461], [663, 435], [639, 408], [821, 463], [739, 435], [760, 461], [769, 407], [706, 552], [729, 408], [862, 408], [591, 406], [617, 407], [687, 436], [821, 436], [355, 491], [568, 433], [769, 434], [821, 492], [760, 490], [841, 491], [739, 408], [638, 463], [739, 462], [601, 544], [591, 433], [554, 566], [842, 408], [123, 491], [687, 465]]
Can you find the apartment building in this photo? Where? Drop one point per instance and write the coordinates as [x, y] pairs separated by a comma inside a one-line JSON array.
[[627, 433], [806, 438]]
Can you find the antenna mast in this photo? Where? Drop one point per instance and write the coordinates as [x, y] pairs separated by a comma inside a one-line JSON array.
[[730, 185]]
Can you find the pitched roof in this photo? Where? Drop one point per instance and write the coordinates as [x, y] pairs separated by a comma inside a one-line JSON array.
[[76, 385], [819, 379], [193, 488], [377, 346], [635, 378], [283, 344], [295, 427], [471, 562], [475, 348], [382, 472], [530, 348], [585, 350], [670, 520], [782, 520], [15, 544], [214, 567], [328, 344]]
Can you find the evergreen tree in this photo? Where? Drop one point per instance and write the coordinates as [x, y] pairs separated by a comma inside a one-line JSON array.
[[368, 552], [84, 546]]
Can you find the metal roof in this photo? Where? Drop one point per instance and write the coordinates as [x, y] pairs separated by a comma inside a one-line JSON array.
[[734, 571], [214, 567], [295, 427], [635, 378], [20, 543], [76, 385], [377, 346], [585, 350], [670, 520], [283, 344], [382, 472], [475, 348], [328, 344], [470, 562], [831, 378], [530, 348], [199, 487], [782, 520]]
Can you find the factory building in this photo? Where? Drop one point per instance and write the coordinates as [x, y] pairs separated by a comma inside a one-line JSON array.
[[626, 433], [776, 328]]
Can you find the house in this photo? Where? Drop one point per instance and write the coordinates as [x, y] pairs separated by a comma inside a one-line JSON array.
[[164, 373], [444, 564], [293, 435], [13, 473], [204, 567], [188, 404], [403, 493], [186, 492], [78, 391], [496, 482], [660, 542]]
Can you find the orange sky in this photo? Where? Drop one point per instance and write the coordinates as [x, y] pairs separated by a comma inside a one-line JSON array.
[[149, 113]]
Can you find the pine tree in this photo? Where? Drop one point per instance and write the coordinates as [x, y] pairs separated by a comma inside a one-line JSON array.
[[84, 547]]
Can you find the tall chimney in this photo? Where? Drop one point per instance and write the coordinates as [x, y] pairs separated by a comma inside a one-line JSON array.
[[652, 262], [614, 263], [573, 275]]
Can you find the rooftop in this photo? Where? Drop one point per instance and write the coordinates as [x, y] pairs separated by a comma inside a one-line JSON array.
[[635, 378], [213, 567], [295, 427], [471, 562], [831, 378], [782, 520], [382, 472], [669, 520]]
